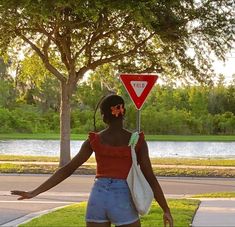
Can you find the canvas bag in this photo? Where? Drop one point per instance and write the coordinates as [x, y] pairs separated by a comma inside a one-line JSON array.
[[140, 189]]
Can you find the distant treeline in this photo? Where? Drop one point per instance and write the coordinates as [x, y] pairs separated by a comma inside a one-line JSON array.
[[32, 107]]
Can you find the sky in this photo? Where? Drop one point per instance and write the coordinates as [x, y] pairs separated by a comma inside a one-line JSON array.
[[227, 68]]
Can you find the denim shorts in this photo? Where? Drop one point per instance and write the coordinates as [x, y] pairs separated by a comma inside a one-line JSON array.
[[110, 201]]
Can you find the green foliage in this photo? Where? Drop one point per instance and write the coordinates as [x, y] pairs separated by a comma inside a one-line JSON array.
[[138, 35], [36, 85], [7, 92], [28, 119], [5, 121], [168, 110]]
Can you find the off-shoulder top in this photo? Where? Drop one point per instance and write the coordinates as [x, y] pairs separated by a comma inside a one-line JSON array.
[[112, 161]]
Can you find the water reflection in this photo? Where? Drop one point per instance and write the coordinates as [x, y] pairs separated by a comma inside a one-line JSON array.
[[156, 148]]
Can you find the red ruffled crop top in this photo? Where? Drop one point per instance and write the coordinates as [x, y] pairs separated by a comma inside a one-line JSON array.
[[112, 161]]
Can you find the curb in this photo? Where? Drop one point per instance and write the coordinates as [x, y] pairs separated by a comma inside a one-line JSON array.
[[29, 217]]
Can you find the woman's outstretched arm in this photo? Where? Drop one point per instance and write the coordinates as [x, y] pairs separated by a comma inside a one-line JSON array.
[[60, 175]]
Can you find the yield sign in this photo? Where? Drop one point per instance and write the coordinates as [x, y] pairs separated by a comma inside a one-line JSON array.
[[138, 86]]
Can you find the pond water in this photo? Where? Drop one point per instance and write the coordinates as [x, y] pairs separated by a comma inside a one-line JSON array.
[[156, 148]]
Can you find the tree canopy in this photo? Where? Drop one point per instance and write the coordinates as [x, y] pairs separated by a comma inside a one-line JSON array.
[[139, 36]]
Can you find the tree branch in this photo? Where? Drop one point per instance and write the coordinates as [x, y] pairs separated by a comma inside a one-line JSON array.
[[44, 58], [121, 55]]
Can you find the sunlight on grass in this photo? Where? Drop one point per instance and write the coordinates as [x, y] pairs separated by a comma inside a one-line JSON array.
[[74, 215], [216, 195]]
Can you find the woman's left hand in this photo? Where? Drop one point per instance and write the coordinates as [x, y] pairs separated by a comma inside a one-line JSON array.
[[167, 219]]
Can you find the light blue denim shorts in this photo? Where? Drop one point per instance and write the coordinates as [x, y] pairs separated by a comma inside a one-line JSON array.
[[110, 201]]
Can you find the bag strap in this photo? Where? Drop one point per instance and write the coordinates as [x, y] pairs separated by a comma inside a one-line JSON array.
[[132, 143]]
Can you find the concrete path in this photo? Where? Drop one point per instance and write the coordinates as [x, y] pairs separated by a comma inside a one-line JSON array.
[[214, 212]]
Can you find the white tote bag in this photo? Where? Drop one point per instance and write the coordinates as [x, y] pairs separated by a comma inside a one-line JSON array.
[[140, 189]]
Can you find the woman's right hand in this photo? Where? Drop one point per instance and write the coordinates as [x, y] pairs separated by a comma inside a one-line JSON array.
[[23, 194], [167, 219]]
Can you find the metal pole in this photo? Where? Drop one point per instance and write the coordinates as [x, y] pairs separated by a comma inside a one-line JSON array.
[[138, 121]]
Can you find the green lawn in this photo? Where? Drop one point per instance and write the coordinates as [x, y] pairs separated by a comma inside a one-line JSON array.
[[48, 136], [157, 161], [182, 210], [216, 195], [173, 168]]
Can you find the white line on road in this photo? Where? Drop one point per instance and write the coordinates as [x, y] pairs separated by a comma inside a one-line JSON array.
[[42, 202], [77, 194]]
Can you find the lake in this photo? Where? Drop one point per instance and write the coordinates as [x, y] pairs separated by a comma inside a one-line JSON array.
[[156, 148]]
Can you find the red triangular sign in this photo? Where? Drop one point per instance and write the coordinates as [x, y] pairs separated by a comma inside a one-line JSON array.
[[138, 86]]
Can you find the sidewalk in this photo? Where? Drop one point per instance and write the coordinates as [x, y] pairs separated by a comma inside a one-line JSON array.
[[215, 212]]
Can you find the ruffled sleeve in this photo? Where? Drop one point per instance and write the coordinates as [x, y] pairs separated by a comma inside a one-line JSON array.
[[140, 141], [93, 138]]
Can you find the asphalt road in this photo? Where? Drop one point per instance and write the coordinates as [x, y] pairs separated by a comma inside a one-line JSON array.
[[76, 188]]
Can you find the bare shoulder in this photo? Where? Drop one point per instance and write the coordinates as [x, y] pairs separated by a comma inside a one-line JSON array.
[[115, 138]]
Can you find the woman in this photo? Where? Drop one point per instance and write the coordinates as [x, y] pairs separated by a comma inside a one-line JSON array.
[[110, 200]]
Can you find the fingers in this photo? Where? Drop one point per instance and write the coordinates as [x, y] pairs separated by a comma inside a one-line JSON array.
[[167, 220], [22, 194], [15, 192], [166, 223]]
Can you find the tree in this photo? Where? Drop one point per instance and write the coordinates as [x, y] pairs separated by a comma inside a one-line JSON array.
[[36, 83], [138, 36]]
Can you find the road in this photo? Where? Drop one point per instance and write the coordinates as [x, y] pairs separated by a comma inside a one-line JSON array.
[[76, 188]]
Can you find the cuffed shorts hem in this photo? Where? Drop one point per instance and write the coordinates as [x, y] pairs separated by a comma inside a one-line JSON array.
[[97, 221], [126, 223]]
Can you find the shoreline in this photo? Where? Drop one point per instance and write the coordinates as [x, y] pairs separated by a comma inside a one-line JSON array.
[[183, 138]]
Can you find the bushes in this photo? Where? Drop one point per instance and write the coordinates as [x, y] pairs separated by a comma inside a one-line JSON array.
[[224, 123], [5, 121], [184, 123], [82, 121], [165, 122], [29, 119]]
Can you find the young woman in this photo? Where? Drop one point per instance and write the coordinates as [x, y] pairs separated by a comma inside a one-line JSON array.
[[110, 200]]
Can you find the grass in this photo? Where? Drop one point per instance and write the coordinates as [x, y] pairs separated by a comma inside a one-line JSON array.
[[28, 158], [190, 172], [182, 210], [91, 170], [192, 162], [156, 161], [53, 136], [40, 169], [216, 195], [174, 167]]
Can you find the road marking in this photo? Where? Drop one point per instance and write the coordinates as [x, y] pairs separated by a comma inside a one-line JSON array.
[[42, 202], [66, 194]]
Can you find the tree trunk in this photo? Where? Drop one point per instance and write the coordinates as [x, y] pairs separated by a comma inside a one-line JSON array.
[[65, 124]]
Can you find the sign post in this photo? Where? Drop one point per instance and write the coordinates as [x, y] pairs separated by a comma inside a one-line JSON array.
[[138, 87]]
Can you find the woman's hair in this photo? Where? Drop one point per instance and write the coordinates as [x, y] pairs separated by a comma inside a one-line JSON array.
[[112, 107]]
